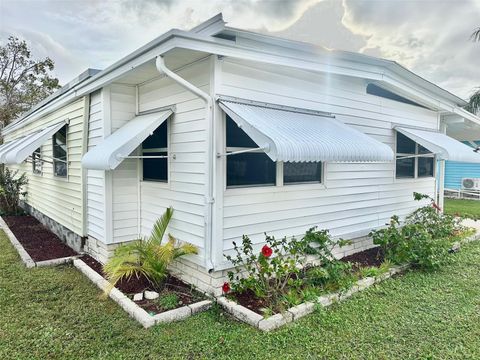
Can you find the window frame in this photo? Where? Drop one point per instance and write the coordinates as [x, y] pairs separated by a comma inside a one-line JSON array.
[[417, 155], [145, 152], [65, 177], [37, 160], [279, 165]]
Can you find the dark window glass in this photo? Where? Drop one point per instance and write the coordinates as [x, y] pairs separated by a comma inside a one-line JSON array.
[[250, 169], [36, 161], [373, 89], [60, 167], [406, 168], [422, 150], [405, 145], [236, 137], [158, 139], [302, 172], [425, 167], [155, 169]]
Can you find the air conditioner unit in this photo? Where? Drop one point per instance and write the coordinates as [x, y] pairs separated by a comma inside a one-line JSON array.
[[471, 183]]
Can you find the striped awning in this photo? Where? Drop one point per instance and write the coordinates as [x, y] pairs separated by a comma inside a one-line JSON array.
[[304, 136], [112, 151]]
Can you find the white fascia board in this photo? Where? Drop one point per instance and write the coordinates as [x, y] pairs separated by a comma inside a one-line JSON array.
[[372, 71]]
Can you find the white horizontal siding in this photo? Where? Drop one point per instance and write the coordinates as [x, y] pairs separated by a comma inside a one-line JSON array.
[[355, 197], [96, 178], [58, 198], [125, 180], [186, 188]]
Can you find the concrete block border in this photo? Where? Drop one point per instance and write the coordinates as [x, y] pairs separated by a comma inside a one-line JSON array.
[[294, 313], [26, 258], [135, 311]]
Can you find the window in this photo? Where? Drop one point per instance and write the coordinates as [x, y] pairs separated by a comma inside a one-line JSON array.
[[156, 169], [37, 161], [413, 160], [248, 169], [373, 89], [255, 168], [60, 153], [295, 173]]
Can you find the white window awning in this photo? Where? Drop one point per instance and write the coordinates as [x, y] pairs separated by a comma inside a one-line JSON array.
[[304, 136], [110, 152], [443, 146], [24, 147]]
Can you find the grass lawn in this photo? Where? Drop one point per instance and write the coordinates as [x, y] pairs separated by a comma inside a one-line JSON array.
[[55, 313], [470, 208]]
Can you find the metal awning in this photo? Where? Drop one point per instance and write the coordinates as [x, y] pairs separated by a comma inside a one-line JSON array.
[[24, 147], [302, 135], [443, 146], [110, 152]]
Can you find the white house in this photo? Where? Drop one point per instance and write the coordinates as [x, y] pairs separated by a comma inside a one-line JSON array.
[[241, 133]]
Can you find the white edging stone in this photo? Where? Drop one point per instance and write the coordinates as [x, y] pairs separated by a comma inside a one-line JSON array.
[[294, 313], [135, 311], [26, 258]]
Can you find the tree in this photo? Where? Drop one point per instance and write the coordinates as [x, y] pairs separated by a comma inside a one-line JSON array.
[[474, 101], [23, 81]]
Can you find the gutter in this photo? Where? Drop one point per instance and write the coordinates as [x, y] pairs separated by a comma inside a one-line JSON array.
[[209, 197]]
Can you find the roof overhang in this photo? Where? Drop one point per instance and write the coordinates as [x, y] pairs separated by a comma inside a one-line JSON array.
[[287, 53]]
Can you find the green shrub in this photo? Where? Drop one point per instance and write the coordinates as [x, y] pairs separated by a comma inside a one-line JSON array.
[[279, 273], [423, 241], [148, 257], [168, 301], [11, 190]]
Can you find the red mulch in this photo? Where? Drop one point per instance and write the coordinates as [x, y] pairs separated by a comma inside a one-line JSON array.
[[250, 301], [39, 242], [186, 295], [370, 257]]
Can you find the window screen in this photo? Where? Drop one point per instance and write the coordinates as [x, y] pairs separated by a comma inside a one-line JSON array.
[[302, 172], [60, 153], [248, 169], [37, 161], [156, 169]]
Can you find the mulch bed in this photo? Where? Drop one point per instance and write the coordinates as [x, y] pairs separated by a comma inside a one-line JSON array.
[[370, 257], [39, 242], [367, 258], [185, 293]]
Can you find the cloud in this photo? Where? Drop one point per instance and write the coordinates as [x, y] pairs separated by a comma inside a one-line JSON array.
[[429, 37]]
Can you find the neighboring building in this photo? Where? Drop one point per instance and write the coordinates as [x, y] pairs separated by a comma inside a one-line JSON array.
[[456, 172], [248, 134]]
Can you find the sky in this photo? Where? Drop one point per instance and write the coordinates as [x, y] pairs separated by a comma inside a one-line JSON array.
[[430, 37]]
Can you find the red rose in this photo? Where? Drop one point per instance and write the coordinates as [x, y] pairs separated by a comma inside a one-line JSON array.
[[226, 287], [267, 251]]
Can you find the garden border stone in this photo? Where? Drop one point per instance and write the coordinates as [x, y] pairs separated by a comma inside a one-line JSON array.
[[26, 258], [297, 312], [135, 311]]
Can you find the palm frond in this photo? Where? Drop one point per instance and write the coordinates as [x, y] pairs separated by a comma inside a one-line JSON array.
[[474, 102], [160, 226], [475, 35]]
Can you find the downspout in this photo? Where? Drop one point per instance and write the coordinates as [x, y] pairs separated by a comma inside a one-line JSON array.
[[85, 130], [209, 199]]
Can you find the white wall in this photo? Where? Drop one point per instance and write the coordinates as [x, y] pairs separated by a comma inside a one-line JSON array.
[[186, 188], [58, 198], [96, 178], [355, 197]]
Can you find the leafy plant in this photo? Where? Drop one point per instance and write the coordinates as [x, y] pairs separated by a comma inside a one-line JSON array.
[[11, 190], [423, 241], [168, 301], [148, 257], [278, 273]]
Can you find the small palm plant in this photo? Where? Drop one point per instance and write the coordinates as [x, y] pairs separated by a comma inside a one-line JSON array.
[[148, 257]]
